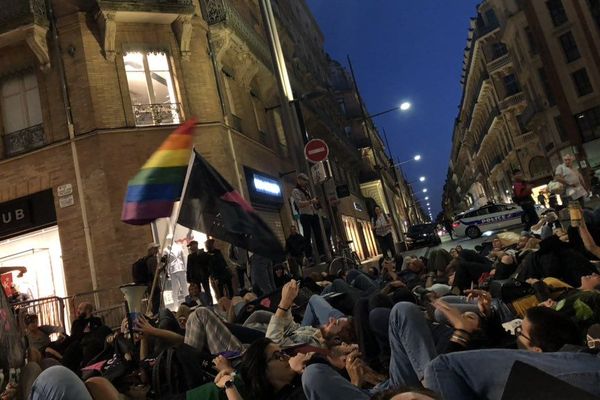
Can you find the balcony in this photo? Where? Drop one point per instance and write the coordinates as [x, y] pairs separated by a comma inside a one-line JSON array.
[[498, 64], [177, 13], [25, 21], [222, 14], [512, 101], [530, 116], [157, 114], [24, 140]]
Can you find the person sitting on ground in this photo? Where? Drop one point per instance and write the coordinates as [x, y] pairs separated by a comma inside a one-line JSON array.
[[196, 297], [281, 276], [284, 331], [543, 333], [39, 336]]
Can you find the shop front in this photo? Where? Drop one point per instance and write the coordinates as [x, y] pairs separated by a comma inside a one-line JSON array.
[[357, 227], [29, 239]]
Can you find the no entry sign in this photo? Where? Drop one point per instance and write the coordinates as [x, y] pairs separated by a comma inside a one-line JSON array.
[[316, 150]]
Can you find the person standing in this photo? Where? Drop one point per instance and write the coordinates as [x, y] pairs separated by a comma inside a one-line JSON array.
[[383, 232], [177, 271], [294, 248], [197, 269], [566, 174], [522, 196], [308, 207], [219, 270], [542, 199], [239, 258], [448, 226], [261, 270], [143, 271]]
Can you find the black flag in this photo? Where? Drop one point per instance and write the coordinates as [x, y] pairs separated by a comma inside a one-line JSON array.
[[211, 205]]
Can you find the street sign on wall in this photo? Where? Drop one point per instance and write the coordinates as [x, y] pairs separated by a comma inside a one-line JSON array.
[[316, 150]]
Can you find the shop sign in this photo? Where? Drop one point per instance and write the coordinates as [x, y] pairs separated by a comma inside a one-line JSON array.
[[264, 190], [27, 213], [318, 173], [64, 190], [67, 201]]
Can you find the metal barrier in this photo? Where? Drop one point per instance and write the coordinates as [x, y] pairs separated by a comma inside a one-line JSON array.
[[109, 304], [50, 311]]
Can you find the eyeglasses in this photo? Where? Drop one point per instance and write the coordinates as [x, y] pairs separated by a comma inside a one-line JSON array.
[[278, 355], [519, 332]]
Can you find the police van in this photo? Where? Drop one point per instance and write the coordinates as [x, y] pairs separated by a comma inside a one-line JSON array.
[[490, 217]]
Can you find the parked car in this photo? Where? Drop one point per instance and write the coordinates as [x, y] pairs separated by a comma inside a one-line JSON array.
[[422, 235], [490, 217]]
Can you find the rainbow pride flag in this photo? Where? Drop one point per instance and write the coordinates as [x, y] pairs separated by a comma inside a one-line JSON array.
[[153, 191]]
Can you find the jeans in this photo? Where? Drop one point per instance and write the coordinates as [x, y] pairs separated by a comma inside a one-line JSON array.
[[361, 281], [482, 374], [179, 286], [310, 226], [318, 311], [59, 383], [241, 275], [530, 217], [321, 382], [413, 344], [386, 243]]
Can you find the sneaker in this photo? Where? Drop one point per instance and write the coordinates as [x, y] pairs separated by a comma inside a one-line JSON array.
[[593, 337]]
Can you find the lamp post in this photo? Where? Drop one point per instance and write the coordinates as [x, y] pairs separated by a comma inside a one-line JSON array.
[[404, 106], [417, 157]]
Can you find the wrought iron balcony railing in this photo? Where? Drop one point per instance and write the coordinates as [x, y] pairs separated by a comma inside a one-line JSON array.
[[157, 114], [24, 140], [224, 12], [160, 6], [498, 63], [16, 13]]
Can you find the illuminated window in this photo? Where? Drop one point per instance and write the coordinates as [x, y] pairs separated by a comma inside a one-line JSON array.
[[21, 114], [151, 89]]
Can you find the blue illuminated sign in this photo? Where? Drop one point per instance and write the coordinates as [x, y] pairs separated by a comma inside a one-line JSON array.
[[264, 190]]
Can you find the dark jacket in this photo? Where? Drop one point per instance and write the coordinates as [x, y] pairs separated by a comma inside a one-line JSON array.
[[197, 267], [217, 266], [295, 245], [558, 260]]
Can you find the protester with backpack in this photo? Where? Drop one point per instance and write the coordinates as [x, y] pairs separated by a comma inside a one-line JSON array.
[[143, 274]]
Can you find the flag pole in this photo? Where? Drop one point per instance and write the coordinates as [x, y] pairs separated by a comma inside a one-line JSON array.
[[171, 228]]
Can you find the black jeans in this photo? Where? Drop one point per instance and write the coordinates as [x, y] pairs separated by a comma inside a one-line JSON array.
[[241, 275], [310, 226], [387, 244], [223, 282]]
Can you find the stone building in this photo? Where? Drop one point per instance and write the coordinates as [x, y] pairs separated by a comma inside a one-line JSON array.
[[530, 93], [86, 99]]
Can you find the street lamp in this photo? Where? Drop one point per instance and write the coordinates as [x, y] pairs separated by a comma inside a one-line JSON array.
[[404, 106], [425, 190], [417, 157]]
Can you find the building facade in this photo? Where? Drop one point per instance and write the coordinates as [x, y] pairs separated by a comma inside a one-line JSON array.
[[91, 88], [530, 95]]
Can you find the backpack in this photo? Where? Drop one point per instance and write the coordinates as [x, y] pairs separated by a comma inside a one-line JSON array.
[[180, 368], [139, 271]]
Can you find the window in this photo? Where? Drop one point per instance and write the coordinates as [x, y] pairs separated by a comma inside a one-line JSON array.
[[560, 128], [589, 123], [546, 86], [151, 88], [490, 17], [567, 41], [21, 114], [595, 10], [531, 41], [342, 105], [260, 118], [498, 50], [582, 82], [557, 12], [511, 84]]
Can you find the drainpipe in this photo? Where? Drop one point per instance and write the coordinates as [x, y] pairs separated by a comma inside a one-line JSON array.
[[78, 180]]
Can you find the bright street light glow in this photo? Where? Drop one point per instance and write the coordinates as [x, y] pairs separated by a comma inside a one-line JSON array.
[[405, 106], [422, 179], [427, 204], [426, 197], [425, 190], [417, 157]]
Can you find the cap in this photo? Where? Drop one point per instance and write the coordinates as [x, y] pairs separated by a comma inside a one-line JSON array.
[[302, 176], [153, 245], [193, 241]]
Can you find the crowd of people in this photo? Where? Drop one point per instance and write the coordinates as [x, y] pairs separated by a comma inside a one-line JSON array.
[[456, 325]]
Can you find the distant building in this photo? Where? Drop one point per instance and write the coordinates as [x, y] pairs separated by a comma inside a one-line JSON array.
[[531, 93]]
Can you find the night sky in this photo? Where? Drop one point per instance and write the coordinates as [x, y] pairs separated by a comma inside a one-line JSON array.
[[405, 50]]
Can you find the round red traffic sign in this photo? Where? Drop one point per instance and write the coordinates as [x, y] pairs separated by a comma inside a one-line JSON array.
[[316, 150]]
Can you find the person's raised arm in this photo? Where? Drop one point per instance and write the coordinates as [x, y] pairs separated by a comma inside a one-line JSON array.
[[148, 330], [588, 240], [282, 320]]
